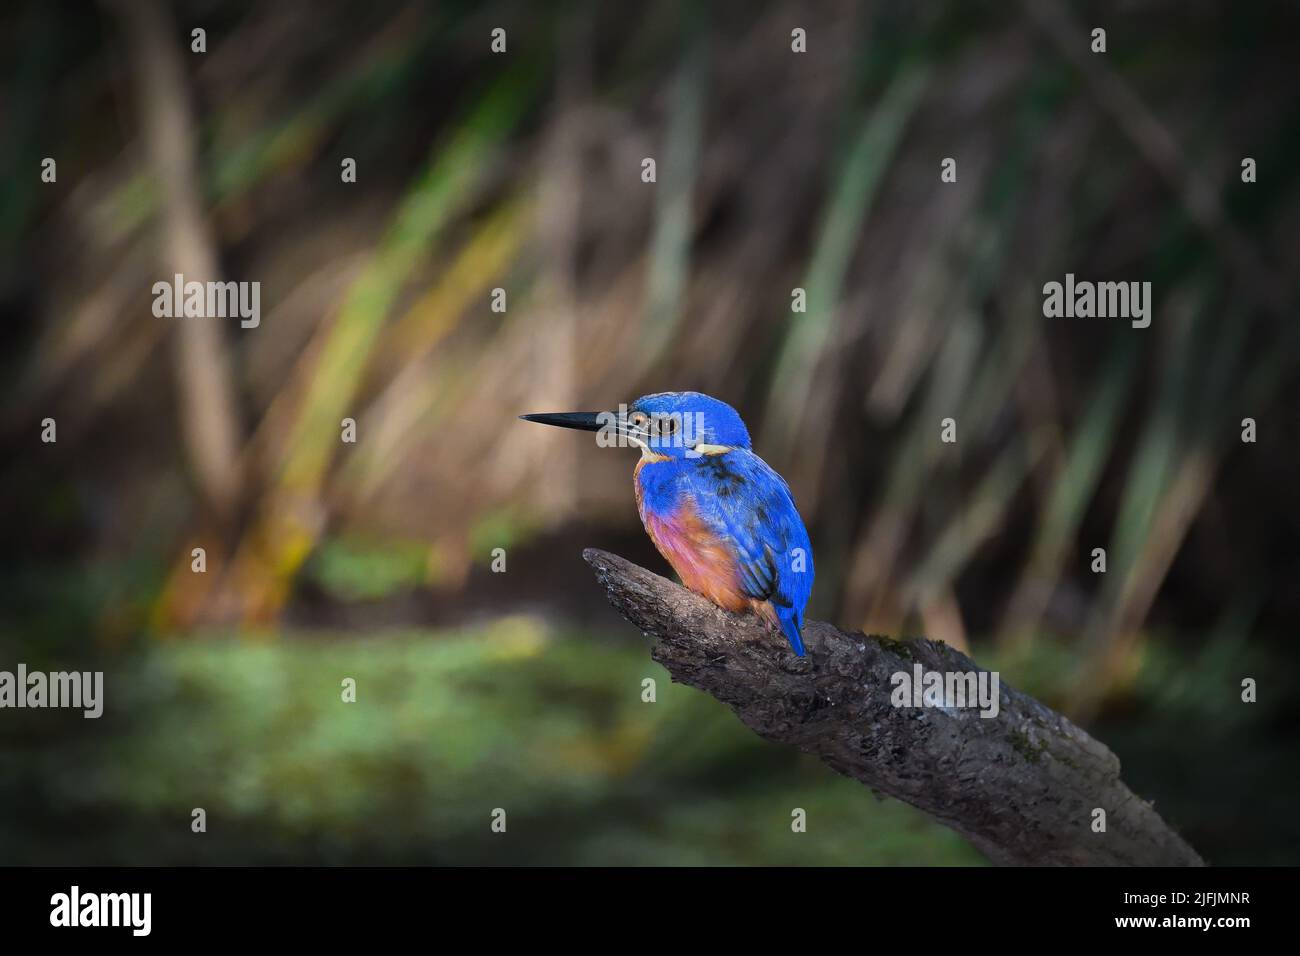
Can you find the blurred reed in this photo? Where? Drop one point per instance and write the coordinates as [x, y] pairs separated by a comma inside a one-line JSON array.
[[775, 170]]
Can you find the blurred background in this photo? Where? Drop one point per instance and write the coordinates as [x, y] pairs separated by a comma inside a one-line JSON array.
[[522, 171]]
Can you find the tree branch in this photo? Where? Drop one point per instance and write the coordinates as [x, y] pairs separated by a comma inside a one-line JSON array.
[[1021, 786]]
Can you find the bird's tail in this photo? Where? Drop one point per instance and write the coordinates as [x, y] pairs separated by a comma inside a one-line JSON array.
[[786, 618], [791, 624]]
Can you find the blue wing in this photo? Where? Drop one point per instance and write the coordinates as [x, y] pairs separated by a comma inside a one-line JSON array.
[[747, 504]]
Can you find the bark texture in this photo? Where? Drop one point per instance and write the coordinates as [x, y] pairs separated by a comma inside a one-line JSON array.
[[1021, 786]]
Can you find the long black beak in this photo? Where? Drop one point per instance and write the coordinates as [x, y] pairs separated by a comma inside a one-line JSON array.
[[586, 421]]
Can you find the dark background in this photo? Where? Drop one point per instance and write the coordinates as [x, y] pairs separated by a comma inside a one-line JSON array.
[[522, 171]]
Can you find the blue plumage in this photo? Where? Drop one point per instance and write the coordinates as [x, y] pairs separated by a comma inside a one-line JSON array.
[[717, 512], [747, 504]]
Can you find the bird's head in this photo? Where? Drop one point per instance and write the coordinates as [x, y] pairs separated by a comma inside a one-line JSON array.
[[663, 425]]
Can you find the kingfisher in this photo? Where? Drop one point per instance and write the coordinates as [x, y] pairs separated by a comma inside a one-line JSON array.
[[718, 513]]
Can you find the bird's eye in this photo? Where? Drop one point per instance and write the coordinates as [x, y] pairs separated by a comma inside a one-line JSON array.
[[668, 424]]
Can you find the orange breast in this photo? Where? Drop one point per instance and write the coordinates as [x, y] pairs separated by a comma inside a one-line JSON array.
[[703, 562]]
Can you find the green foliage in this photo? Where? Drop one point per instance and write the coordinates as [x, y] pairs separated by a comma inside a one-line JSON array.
[[500, 528], [445, 728], [356, 569]]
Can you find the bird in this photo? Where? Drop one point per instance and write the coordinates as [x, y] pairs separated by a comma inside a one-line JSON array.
[[721, 516]]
